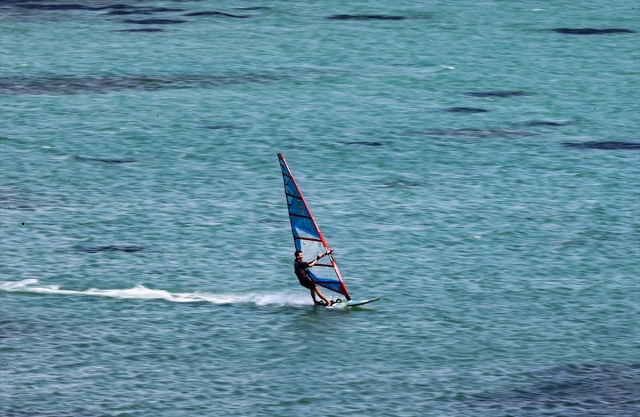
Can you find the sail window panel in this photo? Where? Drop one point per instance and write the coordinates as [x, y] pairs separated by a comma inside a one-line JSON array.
[[310, 249]]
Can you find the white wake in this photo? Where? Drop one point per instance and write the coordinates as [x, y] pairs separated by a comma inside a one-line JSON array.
[[140, 292]]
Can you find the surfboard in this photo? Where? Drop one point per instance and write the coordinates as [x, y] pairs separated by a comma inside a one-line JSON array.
[[345, 304]]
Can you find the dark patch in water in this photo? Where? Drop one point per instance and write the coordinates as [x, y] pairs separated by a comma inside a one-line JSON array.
[[116, 8], [475, 133], [252, 8], [610, 145], [590, 31], [160, 9], [364, 143], [571, 391], [108, 160], [112, 248], [78, 84], [364, 17], [34, 6], [465, 110], [155, 21], [127, 12], [500, 94], [214, 13], [545, 123], [119, 7], [141, 30], [143, 11], [10, 202]]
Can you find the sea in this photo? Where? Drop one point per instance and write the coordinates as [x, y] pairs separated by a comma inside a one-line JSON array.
[[476, 164]]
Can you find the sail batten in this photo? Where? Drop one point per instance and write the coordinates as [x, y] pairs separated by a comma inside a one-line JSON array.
[[307, 236], [299, 215]]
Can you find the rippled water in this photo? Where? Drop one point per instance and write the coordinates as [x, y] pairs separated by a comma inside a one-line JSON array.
[[474, 164]]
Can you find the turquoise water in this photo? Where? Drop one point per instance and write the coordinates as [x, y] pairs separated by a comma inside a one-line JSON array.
[[473, 167]]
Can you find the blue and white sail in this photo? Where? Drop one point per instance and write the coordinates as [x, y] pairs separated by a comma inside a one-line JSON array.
[[308, 238]]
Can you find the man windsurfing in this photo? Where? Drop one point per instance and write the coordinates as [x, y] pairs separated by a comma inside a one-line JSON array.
[[300, 267]]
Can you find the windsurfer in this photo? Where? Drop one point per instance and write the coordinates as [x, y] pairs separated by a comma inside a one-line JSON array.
[[300, 267]]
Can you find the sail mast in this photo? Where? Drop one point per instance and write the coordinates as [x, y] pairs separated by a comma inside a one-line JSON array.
[[307, 236]]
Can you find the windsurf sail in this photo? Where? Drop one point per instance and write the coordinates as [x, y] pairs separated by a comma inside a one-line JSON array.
[[308, 238]]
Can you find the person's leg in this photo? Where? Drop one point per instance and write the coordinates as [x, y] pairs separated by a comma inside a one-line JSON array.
[[313, 295], [325, 299]]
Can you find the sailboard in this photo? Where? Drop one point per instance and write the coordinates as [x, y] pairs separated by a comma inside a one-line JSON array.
[[344, 304], [307, 236]]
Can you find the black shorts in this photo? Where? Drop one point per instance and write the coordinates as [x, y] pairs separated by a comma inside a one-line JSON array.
[[307, 283]]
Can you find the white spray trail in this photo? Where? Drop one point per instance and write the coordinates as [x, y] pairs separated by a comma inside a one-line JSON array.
[[140, 292]]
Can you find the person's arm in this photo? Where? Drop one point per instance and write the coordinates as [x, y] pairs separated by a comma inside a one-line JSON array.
[[312, 263]]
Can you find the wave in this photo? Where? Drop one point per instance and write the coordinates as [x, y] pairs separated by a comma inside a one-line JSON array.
[[140, 292]]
